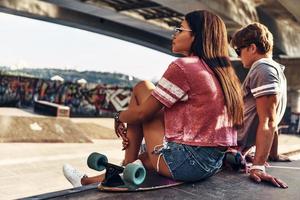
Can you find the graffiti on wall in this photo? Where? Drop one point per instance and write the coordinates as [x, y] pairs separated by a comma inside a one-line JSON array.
[[16, 91], [83, 99]]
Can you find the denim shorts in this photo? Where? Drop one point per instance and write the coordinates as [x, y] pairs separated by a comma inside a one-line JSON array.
[[191, 163]]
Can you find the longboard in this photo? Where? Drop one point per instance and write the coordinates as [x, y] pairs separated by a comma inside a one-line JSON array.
[[131, 178]]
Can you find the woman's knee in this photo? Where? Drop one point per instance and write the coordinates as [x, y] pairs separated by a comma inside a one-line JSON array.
[[143, 89], [144, 86]]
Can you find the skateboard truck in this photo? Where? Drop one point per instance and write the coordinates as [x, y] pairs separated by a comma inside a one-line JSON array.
[[112, 175], [132, 173]]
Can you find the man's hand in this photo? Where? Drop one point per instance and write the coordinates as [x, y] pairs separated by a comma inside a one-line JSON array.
[[259, 176]]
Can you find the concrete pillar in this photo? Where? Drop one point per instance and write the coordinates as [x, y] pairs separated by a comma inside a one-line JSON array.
[[292, 73], [294, 100]]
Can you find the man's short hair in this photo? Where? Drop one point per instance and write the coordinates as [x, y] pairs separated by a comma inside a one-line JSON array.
[[256, 33]]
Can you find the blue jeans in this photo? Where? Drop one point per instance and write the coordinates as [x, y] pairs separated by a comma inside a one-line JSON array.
[[191, 163]]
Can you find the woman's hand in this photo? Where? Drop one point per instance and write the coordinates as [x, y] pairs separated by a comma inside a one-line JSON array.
[[125, 143], [121, 131]]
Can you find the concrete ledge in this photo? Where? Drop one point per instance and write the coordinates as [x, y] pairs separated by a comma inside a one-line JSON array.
[[51, 109]]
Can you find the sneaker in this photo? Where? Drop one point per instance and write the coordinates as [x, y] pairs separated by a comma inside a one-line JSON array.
[[73, 175]]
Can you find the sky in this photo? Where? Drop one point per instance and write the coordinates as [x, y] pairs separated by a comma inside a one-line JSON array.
[[33, 43]]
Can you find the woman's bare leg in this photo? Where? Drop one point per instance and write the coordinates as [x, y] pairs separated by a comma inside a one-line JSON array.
[[135, 137], [91, 180], [152, 131]]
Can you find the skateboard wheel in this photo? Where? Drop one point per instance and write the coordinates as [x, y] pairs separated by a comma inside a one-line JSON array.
[[134, 173], [96, 161]]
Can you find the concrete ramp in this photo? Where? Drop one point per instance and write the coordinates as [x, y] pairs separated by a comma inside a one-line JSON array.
[[40, 129]]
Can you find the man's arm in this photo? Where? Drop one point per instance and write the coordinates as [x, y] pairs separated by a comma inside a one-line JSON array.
[[266, 109]]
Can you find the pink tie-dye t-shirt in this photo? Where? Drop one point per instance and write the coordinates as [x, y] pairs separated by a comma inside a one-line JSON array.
[[195, 112]]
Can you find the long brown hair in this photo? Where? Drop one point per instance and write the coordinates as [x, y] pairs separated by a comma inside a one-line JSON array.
[[211, 45]]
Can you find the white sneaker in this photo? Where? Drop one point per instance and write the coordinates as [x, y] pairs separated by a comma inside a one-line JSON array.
[[73, 175]]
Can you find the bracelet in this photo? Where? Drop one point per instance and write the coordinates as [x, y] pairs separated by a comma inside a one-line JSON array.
[[258, 167], [117, 116]]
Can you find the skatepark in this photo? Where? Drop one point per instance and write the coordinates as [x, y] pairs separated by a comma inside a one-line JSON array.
[[34, 167], [34, 147]]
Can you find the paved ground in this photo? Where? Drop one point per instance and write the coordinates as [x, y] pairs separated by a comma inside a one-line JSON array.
[[29, 168], [35, 168]]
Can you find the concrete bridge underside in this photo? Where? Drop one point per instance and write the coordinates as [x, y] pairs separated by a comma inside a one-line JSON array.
[[150, 22]]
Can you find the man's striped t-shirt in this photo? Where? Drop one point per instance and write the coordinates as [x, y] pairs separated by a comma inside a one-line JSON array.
[[265, 77]]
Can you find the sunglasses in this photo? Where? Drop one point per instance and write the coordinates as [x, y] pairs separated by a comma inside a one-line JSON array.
[[179, 30], [239, 49]]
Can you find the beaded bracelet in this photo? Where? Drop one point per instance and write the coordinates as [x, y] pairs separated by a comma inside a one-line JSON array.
[[117, 117]]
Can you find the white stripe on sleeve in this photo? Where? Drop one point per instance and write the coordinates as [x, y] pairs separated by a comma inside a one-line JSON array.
[[165, 95], [271, 85], [273, 91], [174, 89]]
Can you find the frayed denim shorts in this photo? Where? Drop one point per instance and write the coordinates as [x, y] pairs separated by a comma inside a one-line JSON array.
[[191, 163]]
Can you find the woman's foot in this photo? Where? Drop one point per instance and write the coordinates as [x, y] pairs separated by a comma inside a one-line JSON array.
[[73, 175]]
